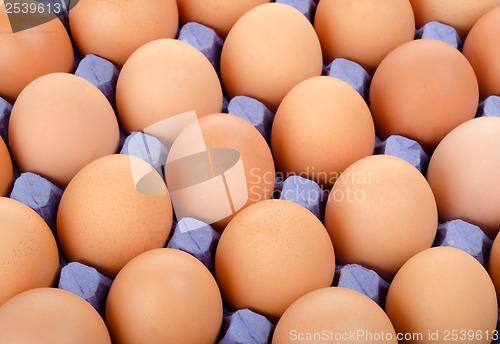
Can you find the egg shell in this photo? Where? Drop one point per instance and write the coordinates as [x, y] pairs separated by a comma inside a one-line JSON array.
[[115, 29], [334, 315], [270, 254], [49, 315], [6, 170], [482, 48], [31, 53], [60, 123], [165, 78], [381, 212], [463, 174], [440, 290], [222, 131], [321, 127], [422, 90], [28, 251], [107, 215], [364, 31], [461, 15], [220, 15], [164, 295], [269, 50], [494, 265]]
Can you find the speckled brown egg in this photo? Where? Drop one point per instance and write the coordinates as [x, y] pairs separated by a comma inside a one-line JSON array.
[[28, 251], [270, 254], [6, 170], [321, 127], [381, 212], [114, 29], [51, 316], [270, 49], [31, 53], [114, 209]]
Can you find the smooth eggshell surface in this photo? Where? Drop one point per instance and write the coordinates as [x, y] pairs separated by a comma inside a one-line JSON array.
[[221, 131], [463, 174], [482, 48], [494, 265], [270, 254], [6, 170], [381, 212], [164, 295], [461, 15], [114, 209], [332, 315], [321, 127], [31, 53], [364, 31], [113, 29], [60, 123], [165, 78], [51, 316], [220, 15], [443, 289], [28, 251], [442, 94], [270, 49]]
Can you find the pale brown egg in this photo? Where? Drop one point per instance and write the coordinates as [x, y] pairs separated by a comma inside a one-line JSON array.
[[321, 127], [28, 250], [422, 90], [364, 31], [270, 254], [270, 49], [60, 123], [381, 212], [28, 54], [442, 295], [463, 174], [461, 15], [165, 78], [114, 209], [231, 169], [114, 29], [51, 316], [494, 265], [6, 170], [220, 15], [334, 315], [164, 296], [482, 48]]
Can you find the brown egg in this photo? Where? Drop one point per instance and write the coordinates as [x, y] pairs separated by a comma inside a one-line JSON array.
[[269, 50], [114, 29], [463, 174], [6, 170], [422, 90], [270, 254], [31, 53], [381, 212], [220, 15], [114, 209], [364, 31], [494, 265], [51, 316], [164, 296], [60, 123], [334, 315], [482, 48], [321, 127], [28, 250], [165, 78], [461, 15], [443, 295], [239, 165]]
